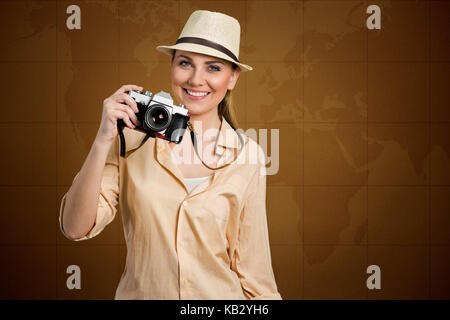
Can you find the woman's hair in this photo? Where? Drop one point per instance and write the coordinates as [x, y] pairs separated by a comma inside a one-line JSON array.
[[225, 108]]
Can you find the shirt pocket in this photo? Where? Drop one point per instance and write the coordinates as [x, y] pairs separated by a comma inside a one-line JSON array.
[[222, 203], [218, 207]]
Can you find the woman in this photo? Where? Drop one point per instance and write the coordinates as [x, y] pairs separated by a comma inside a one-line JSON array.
[[194, 230]]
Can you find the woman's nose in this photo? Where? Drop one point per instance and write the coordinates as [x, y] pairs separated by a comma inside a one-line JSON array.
[[196, 78]]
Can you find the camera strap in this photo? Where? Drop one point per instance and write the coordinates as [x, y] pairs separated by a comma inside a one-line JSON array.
[[122, 141], [194, 143]]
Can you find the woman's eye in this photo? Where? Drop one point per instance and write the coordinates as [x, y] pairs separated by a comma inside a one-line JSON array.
[[214, 68], [184, 63]]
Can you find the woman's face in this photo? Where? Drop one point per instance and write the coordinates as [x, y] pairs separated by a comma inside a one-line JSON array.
[[200, 82]]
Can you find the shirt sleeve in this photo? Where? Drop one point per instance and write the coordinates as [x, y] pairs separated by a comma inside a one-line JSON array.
[[252, 260], [108, 197]]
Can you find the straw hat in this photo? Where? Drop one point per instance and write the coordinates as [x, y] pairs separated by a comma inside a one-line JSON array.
[[211, 33]]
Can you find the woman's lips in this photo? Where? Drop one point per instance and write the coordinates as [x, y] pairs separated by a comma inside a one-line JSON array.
[[194, 97]]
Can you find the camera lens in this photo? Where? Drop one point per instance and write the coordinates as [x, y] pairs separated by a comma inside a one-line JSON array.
[[157, 117]]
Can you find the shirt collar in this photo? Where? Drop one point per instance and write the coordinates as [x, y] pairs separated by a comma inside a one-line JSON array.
[[227, 136], [133, 140], [227, 139]]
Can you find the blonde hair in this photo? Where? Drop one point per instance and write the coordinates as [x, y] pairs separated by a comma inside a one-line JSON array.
[[225, 108], [227, 111]]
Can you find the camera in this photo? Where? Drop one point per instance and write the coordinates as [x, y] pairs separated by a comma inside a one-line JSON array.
[[159, 117]]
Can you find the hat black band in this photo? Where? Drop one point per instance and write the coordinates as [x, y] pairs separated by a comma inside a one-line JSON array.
[[210, 44]]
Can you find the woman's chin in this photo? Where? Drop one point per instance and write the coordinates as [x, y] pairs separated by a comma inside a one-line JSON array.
[[195, 108], [198, 111]]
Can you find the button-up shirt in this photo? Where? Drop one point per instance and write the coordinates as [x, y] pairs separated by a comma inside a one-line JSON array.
[[209, 244]]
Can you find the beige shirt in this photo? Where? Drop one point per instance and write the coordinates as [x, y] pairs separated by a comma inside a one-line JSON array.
[[209, 244]]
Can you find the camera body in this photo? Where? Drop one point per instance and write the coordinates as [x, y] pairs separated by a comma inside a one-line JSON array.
[[159, 117]]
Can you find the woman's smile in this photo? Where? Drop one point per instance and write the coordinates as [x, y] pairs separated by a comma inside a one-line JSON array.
[[195, 94]]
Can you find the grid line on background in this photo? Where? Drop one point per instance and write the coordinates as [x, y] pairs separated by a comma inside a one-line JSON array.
[[56, 153], [118, 81], [303, 149], [274, 243], [62, 61], [271, 186], [264, 0], [255, 122], [367, 151], [429, 151], [246, 82]]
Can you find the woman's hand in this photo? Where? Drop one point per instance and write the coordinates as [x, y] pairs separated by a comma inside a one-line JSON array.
[[118, 106]]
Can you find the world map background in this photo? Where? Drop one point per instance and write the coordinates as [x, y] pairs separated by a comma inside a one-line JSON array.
[[364, 122]]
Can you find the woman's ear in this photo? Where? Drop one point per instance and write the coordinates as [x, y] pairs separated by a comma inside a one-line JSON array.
[[233, 78]]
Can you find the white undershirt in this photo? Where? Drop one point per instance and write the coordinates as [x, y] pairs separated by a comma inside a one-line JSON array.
[[191, 183]]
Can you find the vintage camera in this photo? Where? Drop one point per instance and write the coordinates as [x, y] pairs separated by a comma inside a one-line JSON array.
[[158, 116]]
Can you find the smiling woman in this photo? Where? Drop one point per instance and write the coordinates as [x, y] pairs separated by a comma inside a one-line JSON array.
[[197, 77], [192, 231]]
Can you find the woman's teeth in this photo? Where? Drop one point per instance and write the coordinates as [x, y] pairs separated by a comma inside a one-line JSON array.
[[197, 94]]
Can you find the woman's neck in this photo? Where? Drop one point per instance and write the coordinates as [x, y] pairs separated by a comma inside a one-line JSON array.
[[206, 123]]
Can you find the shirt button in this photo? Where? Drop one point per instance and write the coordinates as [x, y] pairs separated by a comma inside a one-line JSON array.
[[186, 281], [184, 203]]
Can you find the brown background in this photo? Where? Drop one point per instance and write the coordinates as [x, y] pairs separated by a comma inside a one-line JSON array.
[[364, 137]]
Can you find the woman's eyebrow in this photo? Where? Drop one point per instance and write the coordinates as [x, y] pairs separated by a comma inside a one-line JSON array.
[[214, 61], [207, 62]]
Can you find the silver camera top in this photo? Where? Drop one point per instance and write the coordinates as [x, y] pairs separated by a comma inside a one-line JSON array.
[[164, 98], [141, 98], [161, 97]]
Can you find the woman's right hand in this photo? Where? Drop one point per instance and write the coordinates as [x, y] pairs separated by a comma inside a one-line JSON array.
[[118, 106]]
